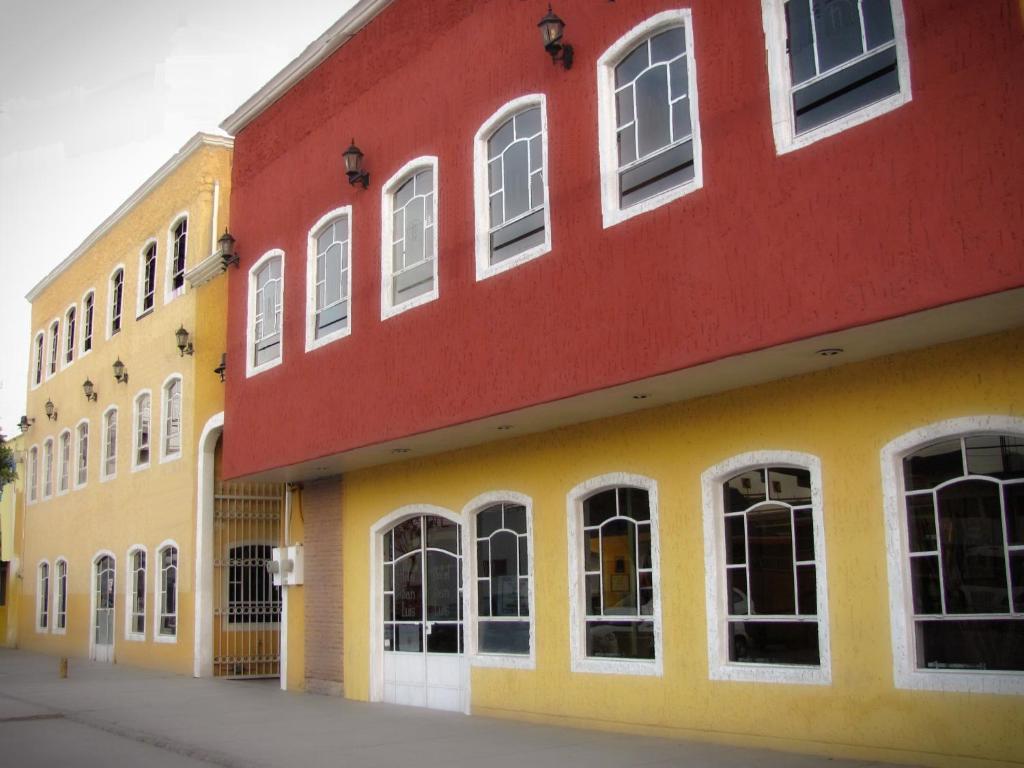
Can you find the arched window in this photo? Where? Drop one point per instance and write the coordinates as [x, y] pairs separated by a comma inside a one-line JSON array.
[[956, 505], [82, 453], [54, 347], [40, 354], [33, 473], [167, 612], [116, 300], [147, 279], [647, 108], [43, 597], [88, 310], [266, 292], [70, 318], [136, 594], [172, 418], [64, 463], [614, 576], [48, 468], [510, 183], [409, 237], [329, 275], [143, 428], [109, 444], [176, 261], [60, 597]]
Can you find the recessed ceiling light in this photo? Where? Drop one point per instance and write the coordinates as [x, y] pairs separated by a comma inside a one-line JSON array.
[[829, 352], [505, 427], [400, 450], [320, 469], [641, 396]]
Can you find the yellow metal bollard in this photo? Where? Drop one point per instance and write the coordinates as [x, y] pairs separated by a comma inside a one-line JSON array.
[[63, 667]]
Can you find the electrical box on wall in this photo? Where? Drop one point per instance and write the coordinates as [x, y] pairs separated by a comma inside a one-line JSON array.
[[286, 565]]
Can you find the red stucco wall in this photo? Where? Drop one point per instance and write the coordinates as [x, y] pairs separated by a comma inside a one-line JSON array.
[[917, 208]]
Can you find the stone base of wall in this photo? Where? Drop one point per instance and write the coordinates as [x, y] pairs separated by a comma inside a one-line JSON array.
[[321, 512], [325, 687]]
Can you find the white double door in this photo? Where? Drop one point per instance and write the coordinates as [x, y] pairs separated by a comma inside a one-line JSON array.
[[424, 643]]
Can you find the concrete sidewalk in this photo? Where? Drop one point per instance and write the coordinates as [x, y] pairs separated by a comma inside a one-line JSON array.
[[105, 715]]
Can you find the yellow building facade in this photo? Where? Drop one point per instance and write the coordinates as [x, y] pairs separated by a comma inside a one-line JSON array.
[[117, 404], [12, 508], [844, 423]]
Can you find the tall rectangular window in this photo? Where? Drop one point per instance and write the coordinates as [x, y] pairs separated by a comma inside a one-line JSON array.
[[64, 473], [110, 443], [54, 347], [40, 354], [266, 290], [503, 580], [330, 278], [48, 468], [143, 423], [148, 277], [172, 418], [409, 245], [43, 597], [33, 473], [167, 625], [83, 454], [179, 242], [60, 623], [69, 335], [116, 300], [87, 316], [137, 593]]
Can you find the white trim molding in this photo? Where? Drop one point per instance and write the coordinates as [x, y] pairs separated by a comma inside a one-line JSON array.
[[312, 342], [387, 196], [780, 81], [202, 647], [577, 609], [481, 187], [716, 591], [469, 513], [612, 211], [906, 673], [251, 369]]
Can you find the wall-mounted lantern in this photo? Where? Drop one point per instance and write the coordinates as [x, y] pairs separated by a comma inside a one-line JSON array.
[[181, 336], [221, 369], [51, 410], [551, 30], [120, 372], [228, 254], [90, 392], [25, 423], [354, 165]]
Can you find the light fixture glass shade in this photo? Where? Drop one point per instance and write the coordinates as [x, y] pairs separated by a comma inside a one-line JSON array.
[[181, 337], [50, 408], [118, 369], [87, 387], [353, 160], [551, 29], [226, 243]]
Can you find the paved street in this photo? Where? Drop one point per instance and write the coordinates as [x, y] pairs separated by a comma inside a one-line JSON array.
[[114, 715]]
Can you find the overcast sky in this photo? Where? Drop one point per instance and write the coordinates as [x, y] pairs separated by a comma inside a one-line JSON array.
[[95, 95]]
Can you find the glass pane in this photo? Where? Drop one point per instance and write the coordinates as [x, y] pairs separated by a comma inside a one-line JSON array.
[[599, 508], [536, 154], [444, 638], [501, 139], [767, 642], [442, 534], [494, 173], [837, 25], [515, 518], [409, 589], [770, 547], [524, 596], [801, 40], [618, 565], [524, 557], [807, 590], [1017, 580], [804, 533], [633, 502], [442, 586], [646, 579], [924, 579], [497, 209], [921, 523], [627, 145], [517, 179], [409, 638], [624, 106], [389, 637], [877, 22], [536, 190], [404, 194], [483, 602], [488, 521], [504, 575], [504, 636], [681, 127], [643, 546], [388, 584], [414, 224], [528, 123], [973, 563], [932, 465], [668, 44], [737, 582], [998, 456], [424, 182], [744, 490], [735, 541], [620, 639], [483, 561], [1014, 501], [592, 550], [976, 644], [631, 66], [389, 608], [388, 556], [593, 595], [793, 486], [407, 536], [652, 111]]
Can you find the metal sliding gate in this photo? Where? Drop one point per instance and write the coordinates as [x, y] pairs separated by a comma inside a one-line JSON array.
[[246, 604]]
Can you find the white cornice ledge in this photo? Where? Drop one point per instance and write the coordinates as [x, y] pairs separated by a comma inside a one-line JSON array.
[[357, 17], [205, 270], [183, 154]]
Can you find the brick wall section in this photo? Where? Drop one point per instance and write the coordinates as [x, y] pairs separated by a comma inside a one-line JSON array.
[[321, 511]]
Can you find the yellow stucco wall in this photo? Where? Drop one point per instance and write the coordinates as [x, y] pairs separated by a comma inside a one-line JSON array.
[[151, 505], [12, 509], [844, 416], [296, 597]]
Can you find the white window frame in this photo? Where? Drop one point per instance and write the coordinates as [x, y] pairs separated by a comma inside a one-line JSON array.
[[68, 341], [580, 662], [105, 442], [75, 483], [130, 593], [165, 415], [387, 198], [469, 513], [39, 355], [33, 474], [612, 212], [53, 348], [110, 301], [60, 589], [140, 296], [136, 464], [49, 461], [906, 675], [719, 665], [158, 592], [170, 294], [481, 187], [251, 369], [780, 81], [63, 465], [312, 342], [43, 593], [82, 336]]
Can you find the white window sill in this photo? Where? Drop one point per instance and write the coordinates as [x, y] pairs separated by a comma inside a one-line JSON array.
[[633, 667], [614, 214], [60, 631], [315, 343], [771, 673], [172, 457], [165, 638], [954, 681], [387, 310], [485, 270], [135, 637], [262, 367], [140, 467], [503, 661], [786, 142]]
